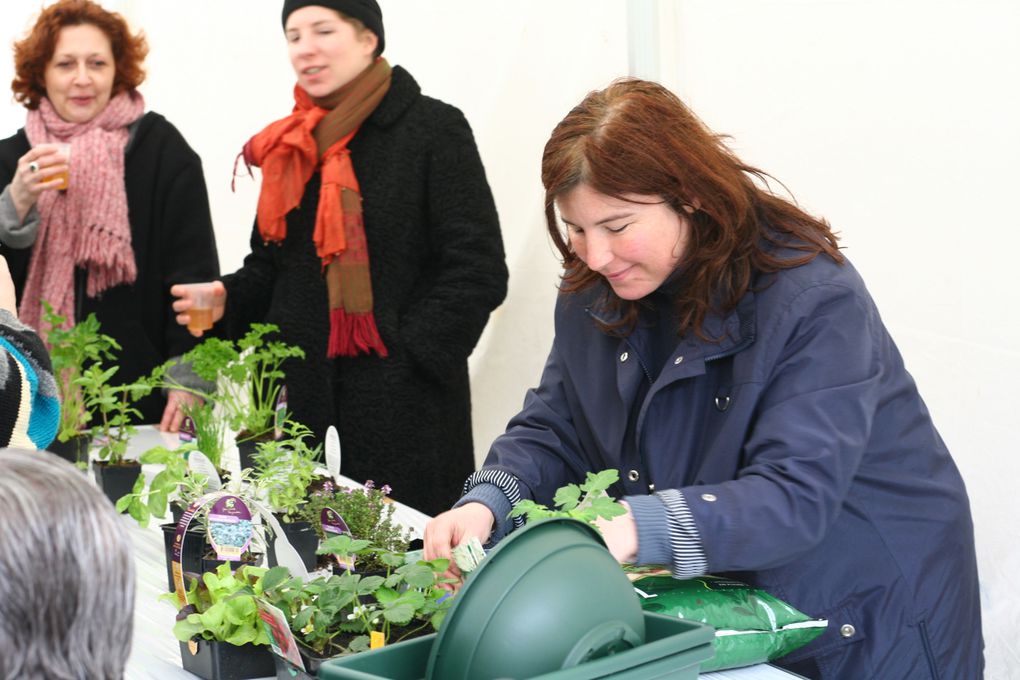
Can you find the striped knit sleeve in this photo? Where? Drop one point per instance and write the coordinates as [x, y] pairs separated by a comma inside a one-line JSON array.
[[504, 481], [684, 540], [29, 405]]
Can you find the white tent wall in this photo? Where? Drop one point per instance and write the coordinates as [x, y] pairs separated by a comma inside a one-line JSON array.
[[894, 119]]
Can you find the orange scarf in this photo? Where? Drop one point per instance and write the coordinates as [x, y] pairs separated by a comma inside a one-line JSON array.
[[315, 137]]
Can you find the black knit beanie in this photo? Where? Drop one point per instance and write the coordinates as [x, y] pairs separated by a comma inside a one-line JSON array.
[[365, 11]]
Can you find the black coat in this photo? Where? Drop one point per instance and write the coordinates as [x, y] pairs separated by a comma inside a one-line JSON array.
[[173, 241], [438, 270]]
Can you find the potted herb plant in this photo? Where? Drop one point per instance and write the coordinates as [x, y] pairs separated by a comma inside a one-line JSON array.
[[352, 612], [113, 411], [249, 378], [219, 628], [368, 514], [72, 350], [284, 470]]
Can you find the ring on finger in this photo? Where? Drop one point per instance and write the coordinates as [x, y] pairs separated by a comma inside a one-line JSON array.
[[33, 167]]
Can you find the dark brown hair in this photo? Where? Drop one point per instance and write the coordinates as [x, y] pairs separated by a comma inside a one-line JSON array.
[[637, 137], [33, 54]]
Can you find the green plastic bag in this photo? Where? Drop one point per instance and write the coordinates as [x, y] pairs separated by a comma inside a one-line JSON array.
[[751, 626]]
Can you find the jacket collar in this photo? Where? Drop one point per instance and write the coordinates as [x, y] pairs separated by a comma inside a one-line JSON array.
[[403, 92], [728, 333]]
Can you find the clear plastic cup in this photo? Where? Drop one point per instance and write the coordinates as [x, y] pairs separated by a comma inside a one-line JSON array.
[[64, 151], [200, 316]]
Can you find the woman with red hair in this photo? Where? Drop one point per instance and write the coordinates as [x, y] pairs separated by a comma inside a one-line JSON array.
[[714, 345], [103, 205]]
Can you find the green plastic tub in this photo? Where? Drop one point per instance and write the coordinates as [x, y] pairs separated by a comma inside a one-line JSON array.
[[674, 648], [548, 602]]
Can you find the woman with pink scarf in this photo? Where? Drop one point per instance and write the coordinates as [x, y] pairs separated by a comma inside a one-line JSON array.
[[103, 205]]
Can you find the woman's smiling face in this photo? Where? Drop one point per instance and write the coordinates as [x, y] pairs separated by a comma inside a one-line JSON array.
[[326, 51], [79, 76], [635, 242]]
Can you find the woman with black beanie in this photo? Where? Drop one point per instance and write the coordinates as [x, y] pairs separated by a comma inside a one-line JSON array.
[[376, 249]]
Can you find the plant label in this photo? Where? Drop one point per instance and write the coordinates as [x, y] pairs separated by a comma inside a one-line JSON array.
[[281, 639], [200, 464], [230, 528], [333, 523]]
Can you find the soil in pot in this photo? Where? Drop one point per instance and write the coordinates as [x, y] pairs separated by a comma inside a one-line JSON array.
[[116, 481]]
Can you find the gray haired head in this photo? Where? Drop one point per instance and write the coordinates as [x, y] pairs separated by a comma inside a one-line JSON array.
[[67, 581]]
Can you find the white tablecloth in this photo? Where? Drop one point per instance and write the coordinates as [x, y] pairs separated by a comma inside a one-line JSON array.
[[155, 654]]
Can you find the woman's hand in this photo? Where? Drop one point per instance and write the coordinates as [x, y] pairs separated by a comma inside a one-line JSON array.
[[173, 414], [39, 170], [206, 296], [620, 535], [8, 298], [452, 528]]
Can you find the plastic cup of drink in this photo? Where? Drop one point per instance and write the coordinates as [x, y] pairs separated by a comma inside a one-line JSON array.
[[64, 151], [200, 316]]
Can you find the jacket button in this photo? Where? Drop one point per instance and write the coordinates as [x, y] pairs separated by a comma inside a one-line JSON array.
[[847, 631], [678, 361], [708, 497], [633, 475], [623, 357]]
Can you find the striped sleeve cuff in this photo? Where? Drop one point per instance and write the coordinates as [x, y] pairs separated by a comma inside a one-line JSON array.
[[496, 501], [502, 480], [688, 557]]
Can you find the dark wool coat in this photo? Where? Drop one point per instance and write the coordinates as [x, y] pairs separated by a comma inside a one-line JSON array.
[[809, 464], [171, 235], [438, 270]]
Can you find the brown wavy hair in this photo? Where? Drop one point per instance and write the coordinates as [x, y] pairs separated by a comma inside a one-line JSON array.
[[33, 53], [637, 137]]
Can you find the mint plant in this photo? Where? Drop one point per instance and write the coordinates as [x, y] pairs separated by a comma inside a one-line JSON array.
[[72, 350], [112, 407], [587, 502]]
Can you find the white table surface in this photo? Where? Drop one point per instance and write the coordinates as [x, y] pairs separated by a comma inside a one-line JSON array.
[[155, 654]]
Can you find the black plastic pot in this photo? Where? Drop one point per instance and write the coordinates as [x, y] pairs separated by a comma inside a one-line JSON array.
[[285, 670], [191, 552], [74, 450], [304, 539], [222, 661], [116, 481], [246, 450]]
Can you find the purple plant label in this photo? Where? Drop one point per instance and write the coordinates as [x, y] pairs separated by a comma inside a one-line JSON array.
[[281, 413], [179, 536], [333, 523], [229, 527], [187, 431]]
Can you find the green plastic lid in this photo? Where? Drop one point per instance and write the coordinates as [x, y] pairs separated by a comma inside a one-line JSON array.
[[549, 596]]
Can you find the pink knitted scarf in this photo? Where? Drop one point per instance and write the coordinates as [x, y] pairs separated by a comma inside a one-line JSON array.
[[87, 225]]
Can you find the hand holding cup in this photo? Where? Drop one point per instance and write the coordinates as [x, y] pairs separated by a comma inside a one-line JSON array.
[[199, 305]]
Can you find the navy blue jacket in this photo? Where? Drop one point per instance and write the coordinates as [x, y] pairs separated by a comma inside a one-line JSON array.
[[795, 454]]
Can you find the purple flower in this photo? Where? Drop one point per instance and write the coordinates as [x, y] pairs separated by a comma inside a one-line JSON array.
[[386, 489], [369, 484]]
